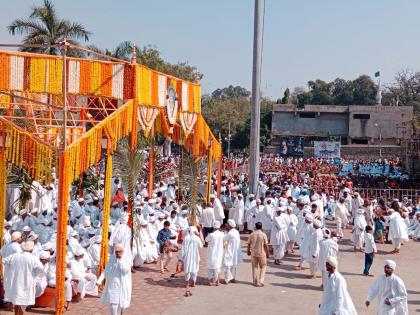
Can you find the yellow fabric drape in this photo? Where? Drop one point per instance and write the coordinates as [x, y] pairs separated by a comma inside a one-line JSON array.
[[63, 197], [106, 213]]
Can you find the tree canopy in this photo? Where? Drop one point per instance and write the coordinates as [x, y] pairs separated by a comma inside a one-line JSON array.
[[45, 27], [232, 105], [361, 91]]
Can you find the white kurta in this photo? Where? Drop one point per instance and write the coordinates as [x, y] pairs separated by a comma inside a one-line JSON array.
[[215, 250], [233, 254], [20, 283], [397, 228], [190, 253], [291, 229], [238, 214], [218, 210], [117, 288], [122, 235], [336, 299], [393, 289]]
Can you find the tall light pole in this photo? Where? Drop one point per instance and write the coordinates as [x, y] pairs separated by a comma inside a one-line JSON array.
[[380, 138], [254, 146], [228, 139]]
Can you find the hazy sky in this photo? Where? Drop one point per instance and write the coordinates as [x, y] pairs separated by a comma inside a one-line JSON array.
[[303, 39]]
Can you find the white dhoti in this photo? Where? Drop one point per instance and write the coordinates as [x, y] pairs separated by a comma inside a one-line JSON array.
[[213, 274], [278, 251], [396, 242], [86, 286], [230, 273], [191, 276], [115, 309]]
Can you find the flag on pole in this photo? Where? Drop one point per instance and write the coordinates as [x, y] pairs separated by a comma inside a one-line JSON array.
[[377, 74]]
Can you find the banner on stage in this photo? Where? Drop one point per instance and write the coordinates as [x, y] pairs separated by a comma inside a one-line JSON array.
[[327, 149]]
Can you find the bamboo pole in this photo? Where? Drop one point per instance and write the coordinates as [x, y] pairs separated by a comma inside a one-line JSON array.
[[3, 193]]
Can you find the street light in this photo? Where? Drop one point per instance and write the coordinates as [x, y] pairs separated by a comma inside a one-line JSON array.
[[380, 138], [228, 139]]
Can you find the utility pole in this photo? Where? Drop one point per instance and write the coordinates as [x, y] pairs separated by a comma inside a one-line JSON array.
[[228, 139], [254, 146]]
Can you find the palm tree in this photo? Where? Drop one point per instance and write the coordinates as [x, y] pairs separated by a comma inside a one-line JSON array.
[[128, 164], [44, 27], [122, 51]]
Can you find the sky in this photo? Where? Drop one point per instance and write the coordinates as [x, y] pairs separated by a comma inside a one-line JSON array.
[[303, 39]]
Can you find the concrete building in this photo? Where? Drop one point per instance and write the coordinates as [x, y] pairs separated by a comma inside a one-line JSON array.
[[357, 125]]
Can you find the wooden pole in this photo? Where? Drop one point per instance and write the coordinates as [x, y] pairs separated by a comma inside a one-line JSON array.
[[151, 161]]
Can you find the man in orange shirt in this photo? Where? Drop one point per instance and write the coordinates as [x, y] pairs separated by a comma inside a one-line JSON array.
[[258, 250]]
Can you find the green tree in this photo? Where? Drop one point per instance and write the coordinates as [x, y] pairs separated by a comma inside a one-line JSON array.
[[342, 91], [286, 97], [151, 57], [45, 27], [321, 92], [364, 91]]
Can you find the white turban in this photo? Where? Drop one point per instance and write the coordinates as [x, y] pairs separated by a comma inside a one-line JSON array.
[[16, 235], [79, 252], [44, 255], [28, 246], [47, 246], [216, 224], [118, 246], [212, 196], [332, 261], [391, 264], [231, 223]]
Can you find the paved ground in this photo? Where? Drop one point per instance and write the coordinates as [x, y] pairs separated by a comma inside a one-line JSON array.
[[286, 290], [289, 292]]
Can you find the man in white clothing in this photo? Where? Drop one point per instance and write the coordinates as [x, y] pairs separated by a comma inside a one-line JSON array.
[[238, 212], [207, 220], [219, 214], [117, 290], [83, 280], [233, 254], [190, 255], [390, 291], [19, 285], [214, 254], [328, 247], [279, 237], [397, 230], [336, 299]]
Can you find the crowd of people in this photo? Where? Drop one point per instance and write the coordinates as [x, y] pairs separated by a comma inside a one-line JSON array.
[[301, 206]]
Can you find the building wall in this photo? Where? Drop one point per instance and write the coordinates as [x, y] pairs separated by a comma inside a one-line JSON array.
[[392, 122], [354, 122], [323, 125]]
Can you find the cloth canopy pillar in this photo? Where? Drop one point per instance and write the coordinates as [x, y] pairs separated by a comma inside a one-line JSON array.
[[106, 212], [63, 199], [151, 162], [209, 173], [2, 196]]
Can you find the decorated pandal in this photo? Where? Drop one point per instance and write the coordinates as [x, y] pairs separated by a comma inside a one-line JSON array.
[[70, 113]]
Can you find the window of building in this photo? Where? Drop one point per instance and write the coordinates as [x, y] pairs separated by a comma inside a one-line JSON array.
[[306, 115], [359, 141], [361, 116]]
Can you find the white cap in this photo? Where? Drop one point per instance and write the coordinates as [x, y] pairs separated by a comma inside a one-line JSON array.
[[390, 263], [216, 224], [81, 199], [44, 255], [28, 246], [231, 223], [332, 261]]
